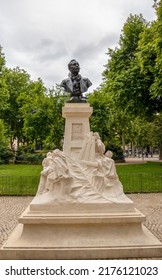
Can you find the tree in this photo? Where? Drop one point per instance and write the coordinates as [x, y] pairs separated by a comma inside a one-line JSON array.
[[123, 78], [56, 100], [34, 109], [17, 81], [3, 87], [42, 114], [110, 121], [99, 119], [157, 133], [150, 57], [2, 133], [149, 134], [5, 153]]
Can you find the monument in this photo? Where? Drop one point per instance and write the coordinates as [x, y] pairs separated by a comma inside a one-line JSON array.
[[80, 210], [76, 111]]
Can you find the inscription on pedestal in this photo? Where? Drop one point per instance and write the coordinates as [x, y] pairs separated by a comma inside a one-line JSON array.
[[77, 131]]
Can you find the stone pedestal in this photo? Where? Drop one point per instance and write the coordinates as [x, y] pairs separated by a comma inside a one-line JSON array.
[[73, 232], [76, 126]]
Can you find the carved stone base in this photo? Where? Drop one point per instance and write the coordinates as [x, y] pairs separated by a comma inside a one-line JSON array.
[[43, 235], [43, 204], [77, 125]]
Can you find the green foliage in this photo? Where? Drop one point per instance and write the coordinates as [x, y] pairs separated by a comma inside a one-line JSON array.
[[2, 132], [132, 84], [150, 57], [33, 114], [117, 152], [3, 87], [99, 119], [156, 134], [42, 115], [17, 81], [34, 110], [27, 154], [29, 158], [22, 150], [2, 61], [34, 158], [5, 153], [123, 79], [56, 101]]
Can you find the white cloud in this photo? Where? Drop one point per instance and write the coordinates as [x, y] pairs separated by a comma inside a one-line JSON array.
[[41, 36]]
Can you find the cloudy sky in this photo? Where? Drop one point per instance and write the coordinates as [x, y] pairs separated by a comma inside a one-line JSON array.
[[42, 36]]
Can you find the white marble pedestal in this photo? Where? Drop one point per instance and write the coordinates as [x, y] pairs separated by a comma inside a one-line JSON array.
[[76, 126], [104, 232]]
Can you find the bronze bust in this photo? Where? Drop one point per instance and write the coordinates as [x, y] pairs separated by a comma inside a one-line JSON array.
[[75, 84]]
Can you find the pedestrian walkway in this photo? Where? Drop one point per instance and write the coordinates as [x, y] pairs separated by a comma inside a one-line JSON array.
[[138, 160], [149, 204]]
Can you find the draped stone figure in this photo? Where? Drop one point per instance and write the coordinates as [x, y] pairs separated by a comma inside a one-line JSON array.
[[90, 177]]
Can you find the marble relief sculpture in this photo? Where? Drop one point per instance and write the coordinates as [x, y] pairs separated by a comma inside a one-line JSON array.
[[90, 177]]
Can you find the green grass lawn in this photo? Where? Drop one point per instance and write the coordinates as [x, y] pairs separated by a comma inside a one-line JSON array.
[[24, 179], [149, 167], [20, 170], [146, 177], [18, 179]]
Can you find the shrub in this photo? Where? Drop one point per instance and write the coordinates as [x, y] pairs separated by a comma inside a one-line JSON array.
[[27, 154], [117, 152], [34, 158], [5, 154], [25, 149]]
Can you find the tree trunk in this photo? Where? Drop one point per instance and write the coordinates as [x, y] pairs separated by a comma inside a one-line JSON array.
[[11, 143], [160, 152], [133, 150], [123, 142], [142, 151]]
